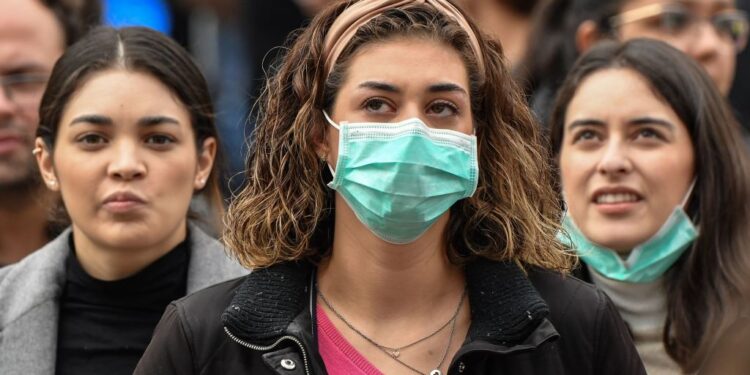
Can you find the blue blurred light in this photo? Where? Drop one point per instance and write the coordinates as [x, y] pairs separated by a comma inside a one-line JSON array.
[[150, 13]]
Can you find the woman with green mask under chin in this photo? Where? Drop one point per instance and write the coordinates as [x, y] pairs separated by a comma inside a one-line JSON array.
[[655, 179]]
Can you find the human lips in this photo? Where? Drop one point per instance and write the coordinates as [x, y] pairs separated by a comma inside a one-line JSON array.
[[123, 201], [616, 199], [10, 143]]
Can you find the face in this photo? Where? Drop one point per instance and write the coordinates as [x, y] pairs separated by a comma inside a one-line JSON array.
[[31, 40], [126, 162], [626, 161], [714, 50], [393, 81], [401, 79]]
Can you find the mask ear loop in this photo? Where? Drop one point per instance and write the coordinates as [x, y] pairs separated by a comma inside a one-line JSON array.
[[686, 200], [689, 194], [330, 121]]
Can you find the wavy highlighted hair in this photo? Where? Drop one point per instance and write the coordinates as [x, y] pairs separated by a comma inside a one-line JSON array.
[[285, 212]]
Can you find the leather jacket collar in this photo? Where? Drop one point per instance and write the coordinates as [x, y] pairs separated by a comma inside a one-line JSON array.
[[277, 305]]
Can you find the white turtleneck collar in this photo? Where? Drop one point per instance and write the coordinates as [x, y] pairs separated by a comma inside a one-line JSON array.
[[642, 305]]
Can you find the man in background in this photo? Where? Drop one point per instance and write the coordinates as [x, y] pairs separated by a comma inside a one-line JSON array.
[[33, 35]]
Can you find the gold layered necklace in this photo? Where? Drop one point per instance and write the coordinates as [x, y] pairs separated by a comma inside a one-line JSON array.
[[395, 353]]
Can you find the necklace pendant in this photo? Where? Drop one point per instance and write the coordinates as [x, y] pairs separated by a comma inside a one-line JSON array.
[[436, 372], [395, 353]]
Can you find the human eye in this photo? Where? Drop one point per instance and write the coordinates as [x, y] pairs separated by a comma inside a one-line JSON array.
[[732, 24], [24, 82], [649, 134], [585, 136], [91, 139], [159, 140], [442, 108], [378, 106], [673, 20]]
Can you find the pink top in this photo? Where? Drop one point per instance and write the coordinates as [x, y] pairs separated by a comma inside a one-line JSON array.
[[339, 357]]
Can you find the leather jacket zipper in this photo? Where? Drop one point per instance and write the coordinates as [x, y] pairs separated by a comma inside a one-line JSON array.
[[269, 347]]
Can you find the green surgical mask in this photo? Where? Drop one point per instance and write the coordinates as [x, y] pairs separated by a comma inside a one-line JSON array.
[[647, 261], [399, 178]]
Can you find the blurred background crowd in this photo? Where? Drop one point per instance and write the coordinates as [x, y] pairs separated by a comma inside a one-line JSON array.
[[237, 44], [236, 41]]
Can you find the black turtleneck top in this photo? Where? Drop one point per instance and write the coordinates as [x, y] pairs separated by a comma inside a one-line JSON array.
[[105, 326]]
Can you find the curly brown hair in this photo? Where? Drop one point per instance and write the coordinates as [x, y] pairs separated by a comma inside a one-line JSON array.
[[285, 212]]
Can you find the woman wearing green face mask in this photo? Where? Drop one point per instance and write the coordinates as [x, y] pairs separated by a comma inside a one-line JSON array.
[[401, 218], [656, 185]]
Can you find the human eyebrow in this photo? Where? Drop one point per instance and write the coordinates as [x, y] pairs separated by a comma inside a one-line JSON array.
[[446, 87], [647, 120], [381, 86], [157, 120], [586, 122], [92, 119]]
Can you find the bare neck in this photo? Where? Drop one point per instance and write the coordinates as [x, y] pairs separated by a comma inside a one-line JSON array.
[[23, 223], [112, 262], [374, 279]]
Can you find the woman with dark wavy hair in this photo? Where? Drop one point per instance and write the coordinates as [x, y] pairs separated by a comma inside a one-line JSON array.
[[400, 217], [656, 181]]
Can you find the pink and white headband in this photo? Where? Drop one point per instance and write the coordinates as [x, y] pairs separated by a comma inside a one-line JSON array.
[[358, 14]]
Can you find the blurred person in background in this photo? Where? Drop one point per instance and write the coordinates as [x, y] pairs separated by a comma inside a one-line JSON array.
[[33, 34], [712, 32], [657, 186], [217, 34], [508, 21], [741, 87], [127, 138]]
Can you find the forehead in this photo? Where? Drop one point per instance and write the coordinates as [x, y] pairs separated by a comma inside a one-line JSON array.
[[29, 35], [408, 61], [124, 93], [614, 93]]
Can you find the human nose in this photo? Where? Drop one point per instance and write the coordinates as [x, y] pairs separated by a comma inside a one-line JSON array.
[[409, 111], [127, 163], [7, 105], [614, 161]]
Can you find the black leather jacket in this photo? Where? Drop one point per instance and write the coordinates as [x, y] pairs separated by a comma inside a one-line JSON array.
[[538, 322]]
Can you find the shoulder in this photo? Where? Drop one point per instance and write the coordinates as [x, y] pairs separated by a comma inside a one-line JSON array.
[[566, 294], [190, 334], [35, 279], [588, 323], [200, 312], [574, 305], [209, 261]]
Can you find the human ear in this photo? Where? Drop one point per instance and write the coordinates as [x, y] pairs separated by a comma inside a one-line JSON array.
[[587, 35], [324, 142], [206, 157], [46, 166]]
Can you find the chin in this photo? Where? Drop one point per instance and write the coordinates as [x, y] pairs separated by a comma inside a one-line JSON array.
[[620, 238], [131, 240], [130, 234]]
